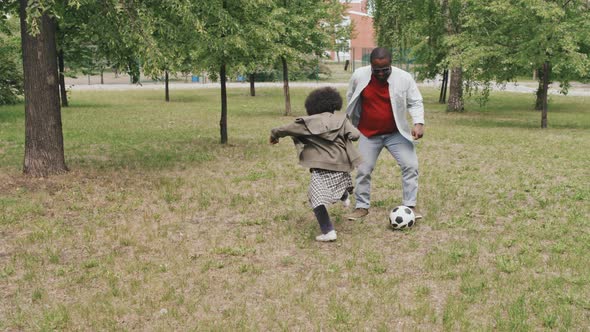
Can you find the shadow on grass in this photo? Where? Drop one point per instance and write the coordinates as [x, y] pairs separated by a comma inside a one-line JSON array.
[[74, 105], [149, 156], [532, 122]]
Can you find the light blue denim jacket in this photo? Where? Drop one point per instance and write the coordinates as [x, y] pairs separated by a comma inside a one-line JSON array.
[[404, 94]]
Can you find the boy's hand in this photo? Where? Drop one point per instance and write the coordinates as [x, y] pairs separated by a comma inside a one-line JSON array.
[[273, 140]]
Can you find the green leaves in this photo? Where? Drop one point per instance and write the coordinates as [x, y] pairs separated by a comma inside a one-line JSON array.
[[11, 80], [515, 37]]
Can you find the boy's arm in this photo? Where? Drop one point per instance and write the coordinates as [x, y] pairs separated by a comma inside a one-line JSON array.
[[350, 131], [294, 129]]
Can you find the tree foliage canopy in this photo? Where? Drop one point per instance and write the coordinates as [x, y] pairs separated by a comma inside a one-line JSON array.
[[504, 39]]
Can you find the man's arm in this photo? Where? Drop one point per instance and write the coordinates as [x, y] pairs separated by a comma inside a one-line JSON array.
[[415, 107], [414, 103], [351, 87]]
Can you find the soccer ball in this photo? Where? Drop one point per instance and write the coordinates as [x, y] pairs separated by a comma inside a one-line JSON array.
[[401, 217]]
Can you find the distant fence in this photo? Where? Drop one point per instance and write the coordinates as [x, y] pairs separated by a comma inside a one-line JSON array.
[[360, 56]]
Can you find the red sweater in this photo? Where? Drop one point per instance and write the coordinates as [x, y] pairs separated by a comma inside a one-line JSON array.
[[377, 114]]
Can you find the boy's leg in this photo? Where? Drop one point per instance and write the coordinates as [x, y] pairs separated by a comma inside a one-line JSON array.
[[321, 214], [404, 153], [344, 196]]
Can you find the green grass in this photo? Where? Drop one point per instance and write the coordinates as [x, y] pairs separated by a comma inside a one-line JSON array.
[[159, 227]]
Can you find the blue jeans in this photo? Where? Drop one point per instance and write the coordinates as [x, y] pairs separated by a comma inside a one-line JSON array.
[[404, 153]]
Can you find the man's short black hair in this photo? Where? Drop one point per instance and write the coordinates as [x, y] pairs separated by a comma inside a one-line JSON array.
[[323, 100], [380, 53]]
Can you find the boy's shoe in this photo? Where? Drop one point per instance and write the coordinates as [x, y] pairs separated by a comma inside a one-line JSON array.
[[346, 202], [358, 213], [328, 237], [417, 214]]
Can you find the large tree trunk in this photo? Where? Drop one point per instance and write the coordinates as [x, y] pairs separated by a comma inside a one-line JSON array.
[[252, 88], [223, 121], [44, 149], [62, 79], [546, 73], [167, 88], [286, 86], [456, 91]]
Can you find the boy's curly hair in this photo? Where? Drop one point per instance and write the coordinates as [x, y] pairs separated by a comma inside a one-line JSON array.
[[323, 100]]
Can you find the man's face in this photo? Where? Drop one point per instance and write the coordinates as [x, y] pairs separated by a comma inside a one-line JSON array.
[[381, 69]]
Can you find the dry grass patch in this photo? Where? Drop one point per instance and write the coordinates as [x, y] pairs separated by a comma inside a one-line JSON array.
[[161, 228]]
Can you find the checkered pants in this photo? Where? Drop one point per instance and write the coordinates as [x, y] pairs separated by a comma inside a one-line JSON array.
[[327, 187]]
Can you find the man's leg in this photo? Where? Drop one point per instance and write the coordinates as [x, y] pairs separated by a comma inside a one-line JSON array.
[[404, 153], [369, 149]]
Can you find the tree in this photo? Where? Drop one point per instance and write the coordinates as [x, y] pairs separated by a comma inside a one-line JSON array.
[[229, 29], [504, 39], [44, 149], [175, 32], [116, 31], [451, 11], [426, 29], [302, 34]]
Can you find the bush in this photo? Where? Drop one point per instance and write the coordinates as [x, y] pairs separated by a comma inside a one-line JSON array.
[[11, 67]]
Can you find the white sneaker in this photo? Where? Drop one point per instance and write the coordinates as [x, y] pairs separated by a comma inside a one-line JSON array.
[[328, 237], [346, 203]]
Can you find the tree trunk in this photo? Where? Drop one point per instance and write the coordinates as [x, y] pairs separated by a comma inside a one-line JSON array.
[[546, 73], [101, 76], [442, 99], [286, 87], [252, 88], [44, 149], [62, 79], [167, 88], [539, 94], [455, 103], [456, 91], [223, 121]]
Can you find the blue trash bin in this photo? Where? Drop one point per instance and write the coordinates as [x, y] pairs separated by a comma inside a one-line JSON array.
[[195, 78]]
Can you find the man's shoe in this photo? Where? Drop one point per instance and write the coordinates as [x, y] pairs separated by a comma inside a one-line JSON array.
[[328, 237], [358, 213], [417, 213]]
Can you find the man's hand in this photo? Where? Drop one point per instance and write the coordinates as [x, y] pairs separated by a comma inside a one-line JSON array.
[[418, 131], [273, 140]]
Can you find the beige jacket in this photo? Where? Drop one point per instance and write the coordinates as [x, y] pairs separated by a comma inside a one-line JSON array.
[[323, 141]]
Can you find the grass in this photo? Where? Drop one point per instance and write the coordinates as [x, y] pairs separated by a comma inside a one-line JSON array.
[[159, 227]]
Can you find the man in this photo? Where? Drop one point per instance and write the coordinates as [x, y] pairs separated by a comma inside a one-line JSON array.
[[378, 98]]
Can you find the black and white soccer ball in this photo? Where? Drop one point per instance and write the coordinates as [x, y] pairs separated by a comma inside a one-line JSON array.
[[401, 217]]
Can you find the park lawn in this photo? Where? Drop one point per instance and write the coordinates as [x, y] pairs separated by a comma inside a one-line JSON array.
[[159, 227]]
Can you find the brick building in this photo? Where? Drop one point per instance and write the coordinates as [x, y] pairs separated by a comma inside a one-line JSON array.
[[364, 34]]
